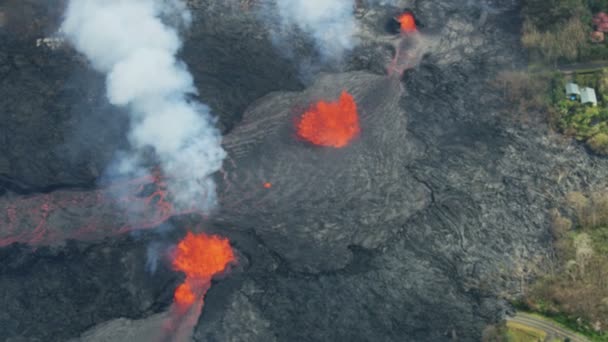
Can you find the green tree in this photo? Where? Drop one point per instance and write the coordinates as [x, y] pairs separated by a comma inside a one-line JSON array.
[[598, 5]]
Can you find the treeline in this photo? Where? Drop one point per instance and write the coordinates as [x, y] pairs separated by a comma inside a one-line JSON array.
[[558, 30]]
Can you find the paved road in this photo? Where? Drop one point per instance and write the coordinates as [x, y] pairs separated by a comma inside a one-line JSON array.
[[550, 328]]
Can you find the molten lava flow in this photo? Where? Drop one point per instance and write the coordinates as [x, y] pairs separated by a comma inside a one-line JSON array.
[[332, 124], [184, 295], [200, 257], [407, 22], [119, 208]]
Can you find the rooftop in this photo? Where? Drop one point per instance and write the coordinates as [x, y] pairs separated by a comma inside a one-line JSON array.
[[588, 96], [572, 89]]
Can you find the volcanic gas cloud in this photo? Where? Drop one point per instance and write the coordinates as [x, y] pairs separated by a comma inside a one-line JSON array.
[[407, 22], [332, 124], [200, 257]]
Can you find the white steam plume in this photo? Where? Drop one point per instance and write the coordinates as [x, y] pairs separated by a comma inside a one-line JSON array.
[[128, 41], [331, 23]]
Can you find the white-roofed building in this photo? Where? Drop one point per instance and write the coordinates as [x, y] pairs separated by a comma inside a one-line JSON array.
[[588, 96], [572, 91]]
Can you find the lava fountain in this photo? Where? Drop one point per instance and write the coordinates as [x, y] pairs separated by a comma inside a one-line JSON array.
[[407, 22], [200, 257], [411, 46], [332, 124]]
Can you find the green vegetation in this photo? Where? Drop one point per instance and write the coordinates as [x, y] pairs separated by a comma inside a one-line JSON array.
[[575, 292], [509, 331], [520, 333], [585, 123], [542, 96], [559, 30], [599, 143], [563, 319]]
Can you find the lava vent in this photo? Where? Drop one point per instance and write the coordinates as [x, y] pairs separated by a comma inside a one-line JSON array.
[[322, 200]]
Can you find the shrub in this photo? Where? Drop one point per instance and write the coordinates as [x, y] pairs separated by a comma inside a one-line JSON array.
[[599, 143], [562, 43]]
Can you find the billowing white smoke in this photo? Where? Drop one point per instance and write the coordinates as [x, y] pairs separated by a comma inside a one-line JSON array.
[[330, 22], [128, 41]]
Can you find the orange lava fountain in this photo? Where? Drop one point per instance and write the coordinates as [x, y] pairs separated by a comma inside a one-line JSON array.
[[332, 124], [200, 257], [408, 22]]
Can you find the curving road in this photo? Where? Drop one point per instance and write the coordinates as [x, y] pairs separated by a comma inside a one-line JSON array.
[[552, 329]]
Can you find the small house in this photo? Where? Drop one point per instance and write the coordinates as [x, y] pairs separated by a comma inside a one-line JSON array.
[[572, 91], [588, 96]]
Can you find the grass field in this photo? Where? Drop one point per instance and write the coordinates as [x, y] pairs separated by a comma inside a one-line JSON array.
[[520, 333]]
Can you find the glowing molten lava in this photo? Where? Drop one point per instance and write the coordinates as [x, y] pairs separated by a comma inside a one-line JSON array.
[[407, 22], [332, 124], [49, 219], [184, 295], [200, 257]]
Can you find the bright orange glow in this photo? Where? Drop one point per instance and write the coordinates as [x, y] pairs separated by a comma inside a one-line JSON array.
[[332, 124], [200, 257], [267, 185], [184, 295], [407, 21]]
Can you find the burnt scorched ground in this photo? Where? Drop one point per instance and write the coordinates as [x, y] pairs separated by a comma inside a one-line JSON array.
[[52, 294], [414, 232], [322, 200], [437, 276]]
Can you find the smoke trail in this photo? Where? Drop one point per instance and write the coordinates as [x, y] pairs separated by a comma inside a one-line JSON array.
[[136, 49]]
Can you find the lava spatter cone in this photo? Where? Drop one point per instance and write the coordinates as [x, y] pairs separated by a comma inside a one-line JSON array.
[[407, 22]]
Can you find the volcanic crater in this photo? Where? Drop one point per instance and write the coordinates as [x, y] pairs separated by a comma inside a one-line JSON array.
[[412, 231], [312, 182]]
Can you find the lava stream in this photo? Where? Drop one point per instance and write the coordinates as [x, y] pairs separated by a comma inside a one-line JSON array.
[[52, 218], [332, 124]]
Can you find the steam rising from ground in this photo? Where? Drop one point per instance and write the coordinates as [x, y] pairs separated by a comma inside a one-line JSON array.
[[136, 49], [331, 23]]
